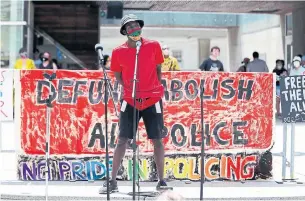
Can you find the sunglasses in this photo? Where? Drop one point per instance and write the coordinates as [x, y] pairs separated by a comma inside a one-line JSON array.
[[165, 48]]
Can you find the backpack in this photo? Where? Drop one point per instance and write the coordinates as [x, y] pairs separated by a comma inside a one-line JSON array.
[[264, 166]]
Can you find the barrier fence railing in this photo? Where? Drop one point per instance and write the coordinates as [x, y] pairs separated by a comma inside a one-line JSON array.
[[234, 142], [293, 107]]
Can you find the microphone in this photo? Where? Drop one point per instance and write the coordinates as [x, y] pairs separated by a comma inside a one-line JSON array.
[[138, 45], [99, 49]]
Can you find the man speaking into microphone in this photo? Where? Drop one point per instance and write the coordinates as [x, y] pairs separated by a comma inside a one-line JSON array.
[[149, 94]]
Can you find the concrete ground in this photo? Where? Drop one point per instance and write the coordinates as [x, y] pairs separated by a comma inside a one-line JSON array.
[[250, 190]]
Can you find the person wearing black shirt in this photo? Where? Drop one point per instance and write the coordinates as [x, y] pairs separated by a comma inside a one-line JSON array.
[[47, 62], [212, 63], [243, 68], [280, 71]]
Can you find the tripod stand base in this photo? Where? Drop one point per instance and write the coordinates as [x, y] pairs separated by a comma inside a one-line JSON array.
[[146, 193], [152, 193], [166, 188]]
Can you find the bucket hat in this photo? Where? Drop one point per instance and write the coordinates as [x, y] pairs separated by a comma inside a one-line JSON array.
[[130, 18]]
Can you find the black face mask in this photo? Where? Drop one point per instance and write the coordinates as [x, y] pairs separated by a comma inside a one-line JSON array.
[[45, 59]]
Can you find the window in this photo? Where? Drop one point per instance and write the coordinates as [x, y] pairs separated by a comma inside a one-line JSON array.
[[288, 22], [12, 10], [13, 31], [178, 55], [12, 39]]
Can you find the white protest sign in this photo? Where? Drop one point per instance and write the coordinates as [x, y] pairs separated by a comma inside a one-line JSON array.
[[293, 98], [6, 94]]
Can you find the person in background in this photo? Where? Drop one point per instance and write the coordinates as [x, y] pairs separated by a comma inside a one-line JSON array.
[[280, 71], [257, 65], [296, 68], [170, 196], [47, 62], [106, 62], [212, 63], [303, 61], [37, 57], [170, 63], [243, 68], [24, 63], [38, 61], [56, 63]]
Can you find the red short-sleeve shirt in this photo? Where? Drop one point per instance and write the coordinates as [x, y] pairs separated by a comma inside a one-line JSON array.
[[149, 88]]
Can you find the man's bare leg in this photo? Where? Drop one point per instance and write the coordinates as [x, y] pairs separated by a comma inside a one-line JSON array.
[[118, 155], [159, 157], [278, 101]]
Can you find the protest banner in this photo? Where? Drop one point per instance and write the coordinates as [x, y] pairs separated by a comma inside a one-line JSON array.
[[293, 99], [217, 166], [238, 116], [6, 95]]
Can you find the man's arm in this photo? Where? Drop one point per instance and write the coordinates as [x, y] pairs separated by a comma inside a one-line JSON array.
[[15, 65], [221, 69], [202, 67], [33, 65], [240, 69], [176, 65], [159, 60], [249, 67], [159, 72], [55, 67], [118, 77], [266, 68]]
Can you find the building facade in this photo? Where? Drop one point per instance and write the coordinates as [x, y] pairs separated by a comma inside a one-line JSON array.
[[13, 30], [190, 35], [237, 35]]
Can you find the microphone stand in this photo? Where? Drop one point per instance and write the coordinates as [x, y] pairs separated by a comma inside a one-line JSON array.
[[106, 91], [134, 145], [48, 119], [202, 177]]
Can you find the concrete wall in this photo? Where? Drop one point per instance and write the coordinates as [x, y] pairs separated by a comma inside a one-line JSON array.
[[268, 43], [181, 39], [267, 36], [263, 36], [234, 46], [262, 33], [189, 48], [204, 49]]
